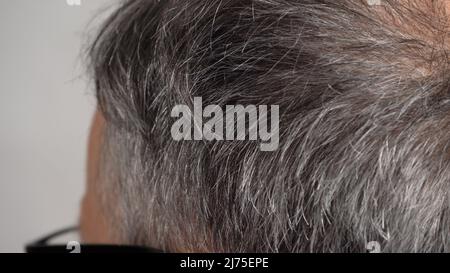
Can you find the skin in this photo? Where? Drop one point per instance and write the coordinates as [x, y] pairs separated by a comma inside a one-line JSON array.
[[93, 222]]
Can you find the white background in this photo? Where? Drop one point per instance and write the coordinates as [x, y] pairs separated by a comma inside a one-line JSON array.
[[46, 104]]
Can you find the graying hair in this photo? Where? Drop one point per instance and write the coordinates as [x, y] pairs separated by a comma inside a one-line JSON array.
[[364, 100]]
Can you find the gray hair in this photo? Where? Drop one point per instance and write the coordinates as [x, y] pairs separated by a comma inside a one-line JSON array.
[[364, 100]]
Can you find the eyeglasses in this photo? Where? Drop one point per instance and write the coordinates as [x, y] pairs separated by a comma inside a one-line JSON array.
[[44, 245]]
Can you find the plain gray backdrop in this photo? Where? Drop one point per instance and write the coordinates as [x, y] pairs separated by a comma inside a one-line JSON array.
[[46, 104]]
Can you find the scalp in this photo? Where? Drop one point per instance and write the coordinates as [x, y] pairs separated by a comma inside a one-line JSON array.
[[364, 124]]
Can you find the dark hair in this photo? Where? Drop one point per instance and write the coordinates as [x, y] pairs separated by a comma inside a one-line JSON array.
[[364, 103]]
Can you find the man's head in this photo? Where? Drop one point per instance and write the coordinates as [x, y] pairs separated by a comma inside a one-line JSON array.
[[364, 125]]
